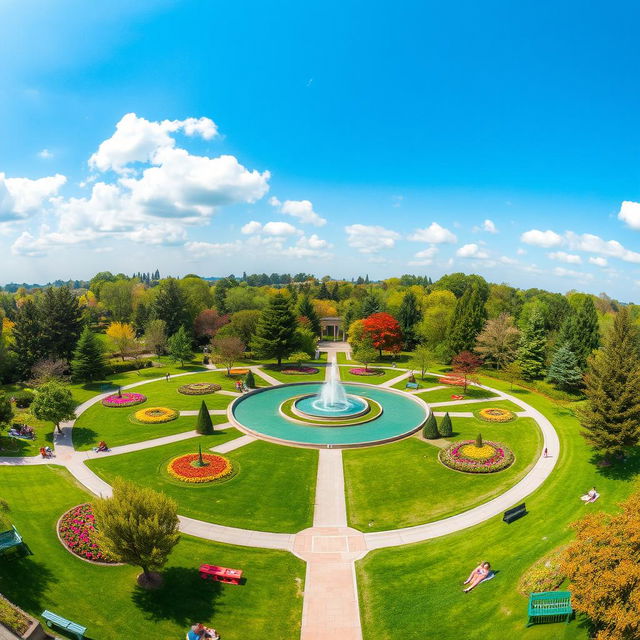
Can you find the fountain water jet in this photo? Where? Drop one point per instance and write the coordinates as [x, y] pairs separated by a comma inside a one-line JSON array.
[[332, 396]]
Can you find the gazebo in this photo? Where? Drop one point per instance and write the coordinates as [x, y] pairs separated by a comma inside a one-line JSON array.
[[331, 328]]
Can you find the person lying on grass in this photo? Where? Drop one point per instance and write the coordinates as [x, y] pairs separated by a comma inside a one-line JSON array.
[[479, 574], [590, 496]]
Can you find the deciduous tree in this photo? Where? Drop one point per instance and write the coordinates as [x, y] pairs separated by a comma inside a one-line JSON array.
[[422, 358], [53, 402], [365, 353], [155, 336], [123, 338], [497, 343], [180, 348], [465, 364], [227, 350], [384, 331]]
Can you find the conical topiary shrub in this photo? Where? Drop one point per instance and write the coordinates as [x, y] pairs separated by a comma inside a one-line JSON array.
[[446, 428], [430, 429], [204, 424], [479, 441], [249, 380]]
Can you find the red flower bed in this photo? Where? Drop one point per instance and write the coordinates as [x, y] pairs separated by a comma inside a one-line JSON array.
[[361, 371], [77, 531], [185, 467], [453, 380], [292, 371]]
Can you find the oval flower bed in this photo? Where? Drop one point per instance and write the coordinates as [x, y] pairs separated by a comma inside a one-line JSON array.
[[299, 371], [76, 530], [496, 415], [155, 415], [452, 380], [238, 372], [123, 400], [186, 469], [199, 388], [361, 371], [465, 456]]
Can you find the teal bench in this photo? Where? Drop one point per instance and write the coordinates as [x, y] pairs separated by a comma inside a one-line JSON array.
[[10, 539], [72, 627], [411, 385], [549, 606]]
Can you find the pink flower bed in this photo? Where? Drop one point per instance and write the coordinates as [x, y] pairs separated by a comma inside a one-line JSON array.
[[361, 371], [123, 400], [500, 458], [77, 531]]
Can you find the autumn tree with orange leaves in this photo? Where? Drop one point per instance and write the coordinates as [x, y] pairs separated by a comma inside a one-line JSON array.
[[384, 331]]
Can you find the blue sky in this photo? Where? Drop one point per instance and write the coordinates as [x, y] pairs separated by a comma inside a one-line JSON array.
[[345, 138]]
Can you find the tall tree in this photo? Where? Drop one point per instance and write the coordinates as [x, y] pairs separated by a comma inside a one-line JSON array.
[[465, 364], [155, 336], [28, 338], [207, 324], [467, 321], [611, 416], [564, 371], [180, 347], [409, 316], [422, 358], [123, 338], [371, 304], [220, 293], [307, 310], [62, 319], [384, 331], [53, 402], [88, 362], [580, 330], [170, 305], [227, 350], [275, 335], [497, 343], [533, 344], [365, 352]]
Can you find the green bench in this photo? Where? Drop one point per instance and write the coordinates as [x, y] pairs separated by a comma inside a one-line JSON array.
[[411, 385], [10, 539], [72, 627], [549, 606]]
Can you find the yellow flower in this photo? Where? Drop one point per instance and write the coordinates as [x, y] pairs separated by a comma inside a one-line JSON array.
[[155, 415], [471, 451], [496, 415]]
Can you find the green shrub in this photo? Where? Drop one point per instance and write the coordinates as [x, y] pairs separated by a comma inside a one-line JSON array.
[[430, 429], [130, 365], [250, 380], [479, 441], [23, 399], [204, 425], [446, 428]]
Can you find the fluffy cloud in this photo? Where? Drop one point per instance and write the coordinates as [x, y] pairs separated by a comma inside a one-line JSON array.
[[300, 209], [569, 273], [595, 244], [209, 249], [20, 197], [568, 258], [599, 261], [472, 250], [630, 214], [433, 234], [45, 154], [251, 227], [370, 238], [424, 257], [279, 229], [539, 238], [488, 226]]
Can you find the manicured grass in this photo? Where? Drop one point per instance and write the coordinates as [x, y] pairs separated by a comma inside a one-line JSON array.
[[476, 406], [107, 600], [18, 447], [341, 356], [427, 383], [444, 395], [403, 484], [272, 491], [288, 378], [383, 376], [426, 577]]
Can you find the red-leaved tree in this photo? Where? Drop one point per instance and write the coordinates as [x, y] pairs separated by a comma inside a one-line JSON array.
[[207, 324], [465, 364], [384, 331]]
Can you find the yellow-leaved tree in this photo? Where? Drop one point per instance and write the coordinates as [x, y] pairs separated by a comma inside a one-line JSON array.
[[123, 338]]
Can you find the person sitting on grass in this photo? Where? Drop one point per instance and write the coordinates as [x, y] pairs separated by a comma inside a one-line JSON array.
[[480, 573], [199, 631], [102, 446], [591, 496]]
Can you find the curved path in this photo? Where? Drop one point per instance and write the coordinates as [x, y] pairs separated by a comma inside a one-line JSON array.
[[329, 547]]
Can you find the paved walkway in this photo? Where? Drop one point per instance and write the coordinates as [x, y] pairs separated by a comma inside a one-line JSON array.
[[234, 444]]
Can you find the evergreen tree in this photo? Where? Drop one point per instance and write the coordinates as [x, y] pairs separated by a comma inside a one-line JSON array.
[[141, 319], [249, 380], [580, 331], [88, 362], [371, 304], [531, 354], [430, 429], [219, 295], [446, 428], [170, 306], [307, 310], [409, 316], [275, 335], [467, 321], [204, 425], [62, 320], [323, 292], [564, 371], [180, 347], [611, 416], [28, 338], [6, 409]]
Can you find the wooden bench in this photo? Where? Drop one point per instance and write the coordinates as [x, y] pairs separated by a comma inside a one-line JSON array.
[[514, 513], [411, 385], [220, 574], [549, 606], [72, 627]]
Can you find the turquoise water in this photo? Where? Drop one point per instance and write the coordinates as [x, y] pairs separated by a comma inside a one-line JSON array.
[[312, 405], [259, 412]]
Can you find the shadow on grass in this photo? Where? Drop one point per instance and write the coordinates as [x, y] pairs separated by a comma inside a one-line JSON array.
[[13, 446], [25, 582], [184, 598], [625, 470], [83, 436]]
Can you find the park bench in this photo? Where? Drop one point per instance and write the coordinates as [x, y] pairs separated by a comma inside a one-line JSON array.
[[72, 627], [220, 574], [10, 539], [514, 513], [411, 385], [549, 606]]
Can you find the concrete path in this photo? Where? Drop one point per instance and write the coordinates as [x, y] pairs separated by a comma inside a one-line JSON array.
[[136, 446], [392, 381], [265, 376], [330, 506], [234, 444], [453, 402], [454, 414], [417, 391]]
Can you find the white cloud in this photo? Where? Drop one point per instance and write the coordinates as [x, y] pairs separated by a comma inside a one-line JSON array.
[[20, 197], [300, 209], [472, 250], [424, 257], [251, 227], [279, 229], [569, 273], [433, 234], [208, 249], [630, 213], [489, 226], [521, 251], [507, 260], [45, 154], [539, 238], [599, 261], [568, 258], [370, 238], [595, 244]]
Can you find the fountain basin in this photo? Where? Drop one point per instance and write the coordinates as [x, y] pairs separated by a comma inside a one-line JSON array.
[[311, 406]]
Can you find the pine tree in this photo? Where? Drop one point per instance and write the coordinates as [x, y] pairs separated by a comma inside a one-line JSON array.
[[581, 331], [141, 319], [275, 335], [249, 380], [307, 310], [6, 409], [323, 292], [204, 425], [88, 362], [371, 304], [180, 347], [409, 315], [28, 338], [170, 306], [430, 429], [611, 416], [446, 428], [467, 321], [564, 371], [220, 294], [62, 319], [531, 354]]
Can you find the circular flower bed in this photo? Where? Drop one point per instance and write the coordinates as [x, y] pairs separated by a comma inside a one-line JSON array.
[[123, 400], [496, 415], [76, 530], [199, 388], [186, 469], [361, 371], [155, 415], [299, 371], [465, 456]]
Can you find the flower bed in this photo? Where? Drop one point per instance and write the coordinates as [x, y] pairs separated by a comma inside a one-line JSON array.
[[465, 456], [185, 468], [238, 372], [361, 371], [199, 388], [155, 415], [496, 415], [123, 400], [452, 380], [77, 531], [544, 575], [299, 371]]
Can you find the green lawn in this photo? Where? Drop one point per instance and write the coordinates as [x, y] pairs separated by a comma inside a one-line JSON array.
[[426, 577], [475, 406], [427, 383], [17, 447], [288, 378], [415, 488], [107, 600], [444, 395], [383, 376], [273, 490]]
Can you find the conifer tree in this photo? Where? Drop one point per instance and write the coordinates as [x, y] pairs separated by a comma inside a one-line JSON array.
[[275, 335], [467, 321], [180, 347], [581, 331], [88, 362], [409, 315], [371, 304], [28, 338], [531, 354], [446, 428], [170, 305], [61, 319], [204, 425], [323, 292], [6, 409], [564, 371], [306, 309], [611, 416], [249, 380], [430, 429]]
